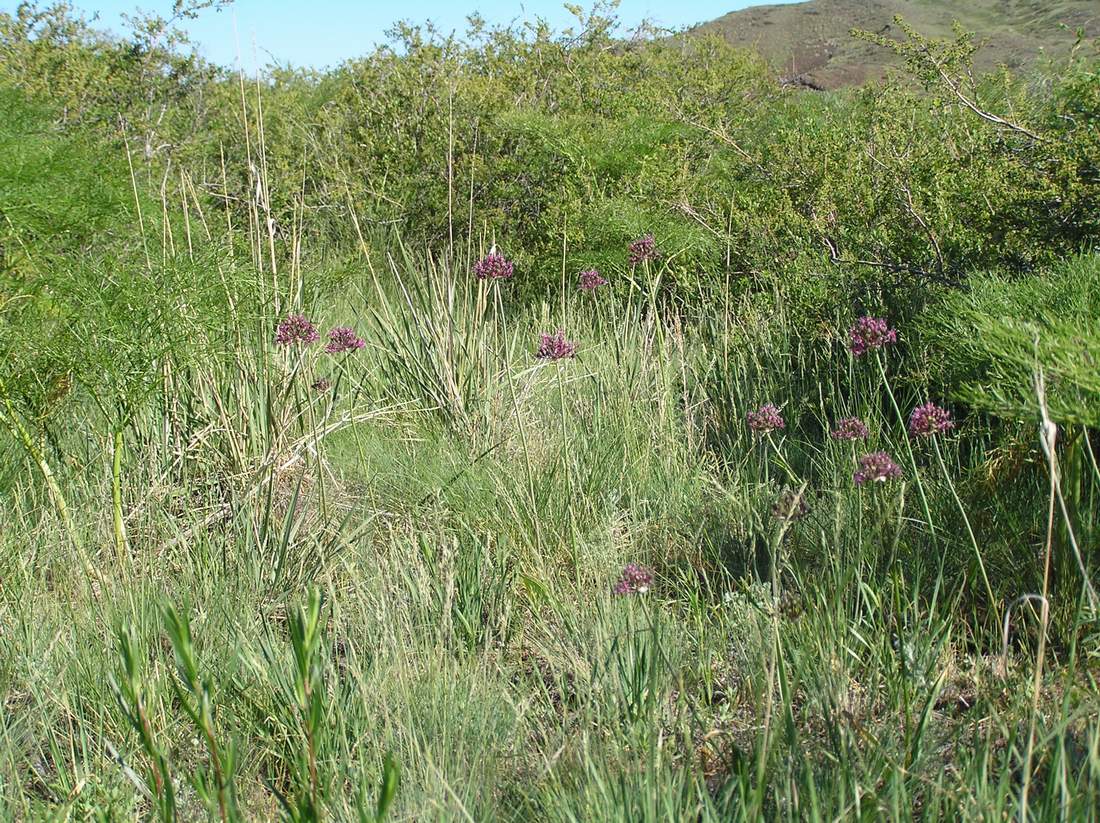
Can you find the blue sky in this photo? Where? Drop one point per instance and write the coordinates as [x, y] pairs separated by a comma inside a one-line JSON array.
[[324, 32]]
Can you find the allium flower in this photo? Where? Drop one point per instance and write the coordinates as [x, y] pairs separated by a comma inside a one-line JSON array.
[[321, 384], [342, 339], [635, 579], [296, 328], [876, 467], [765, 419], [555, 346], [850, 428], [870, 333], [790, 506], [494, 266], [643, 249], [930, 419], [592, 280]]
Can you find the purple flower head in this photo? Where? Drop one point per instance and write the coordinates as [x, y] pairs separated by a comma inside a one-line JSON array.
[[930, 419], [876, 467], [870, 333], [790, 506], [321, 384], [643, 249], [850, 428], [765, 419], [555, 346], [635, 579], [296, 328], [342, 339], [592, 280], [494, 266]]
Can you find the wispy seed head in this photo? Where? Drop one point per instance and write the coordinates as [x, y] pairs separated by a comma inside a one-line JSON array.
[[790, 506]]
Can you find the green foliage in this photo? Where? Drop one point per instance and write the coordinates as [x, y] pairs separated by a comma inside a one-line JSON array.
[[147, 88], [434, 338], [465, 507], [215, 785], [55, 193], [576, 142], [130, 689], [999, 335]]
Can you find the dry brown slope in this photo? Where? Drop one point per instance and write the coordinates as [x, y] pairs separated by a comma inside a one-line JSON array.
[[810, 41]]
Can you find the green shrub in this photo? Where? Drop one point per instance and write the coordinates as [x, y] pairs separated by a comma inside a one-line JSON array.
[[999, 334]]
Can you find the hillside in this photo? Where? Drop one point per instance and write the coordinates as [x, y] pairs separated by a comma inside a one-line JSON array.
[[810, 42]]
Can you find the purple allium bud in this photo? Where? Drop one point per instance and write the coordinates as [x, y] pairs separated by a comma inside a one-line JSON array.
[[635, 579], [765, 419], [321, 384], [876, 467], [850, 428], [643, 249], [494, 266], [930, 419], [296, 328], [342, 339], [870, 333], [790, 506], [592, 280], [555, 346]]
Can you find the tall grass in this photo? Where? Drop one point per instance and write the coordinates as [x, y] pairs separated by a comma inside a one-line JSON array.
[[462, 509]]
